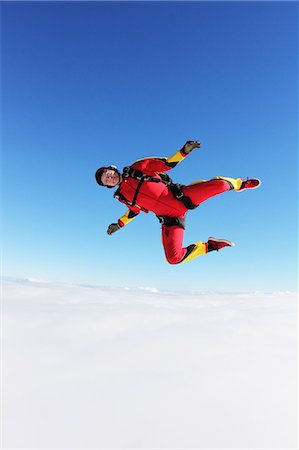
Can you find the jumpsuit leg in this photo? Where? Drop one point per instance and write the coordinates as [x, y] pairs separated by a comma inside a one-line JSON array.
[[172, 239], [203, 190], [172, 236]]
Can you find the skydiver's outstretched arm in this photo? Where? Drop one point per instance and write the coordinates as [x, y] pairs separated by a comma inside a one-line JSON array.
[[156, 164], [122, 221]]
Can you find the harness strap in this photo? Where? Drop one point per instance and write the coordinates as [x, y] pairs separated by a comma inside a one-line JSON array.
[[136, 192], [118, 196], [138, 175], [176, 189], [172, 221]]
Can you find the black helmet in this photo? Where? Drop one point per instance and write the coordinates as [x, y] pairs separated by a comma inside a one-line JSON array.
[[99, 174]]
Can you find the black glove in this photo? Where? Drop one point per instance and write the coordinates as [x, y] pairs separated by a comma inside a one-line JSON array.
[[113, 227], [189, 146]]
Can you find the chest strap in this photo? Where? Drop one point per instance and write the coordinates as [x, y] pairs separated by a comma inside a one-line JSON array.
[[138, 175]]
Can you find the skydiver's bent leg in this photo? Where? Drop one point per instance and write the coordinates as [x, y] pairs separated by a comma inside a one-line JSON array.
[[172, 239], [203, 190]]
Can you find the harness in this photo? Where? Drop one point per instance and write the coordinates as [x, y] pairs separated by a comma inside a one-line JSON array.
[[175, 188]]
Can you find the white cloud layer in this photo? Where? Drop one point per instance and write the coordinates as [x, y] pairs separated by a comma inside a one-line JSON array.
[[90, 367]]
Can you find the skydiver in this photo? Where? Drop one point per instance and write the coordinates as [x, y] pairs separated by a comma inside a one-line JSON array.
[[144, 186]]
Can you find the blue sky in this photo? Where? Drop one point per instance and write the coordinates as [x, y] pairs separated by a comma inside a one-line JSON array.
[[93, 83]]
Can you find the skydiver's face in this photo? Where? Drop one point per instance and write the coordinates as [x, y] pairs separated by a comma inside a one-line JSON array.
[[110, 177]]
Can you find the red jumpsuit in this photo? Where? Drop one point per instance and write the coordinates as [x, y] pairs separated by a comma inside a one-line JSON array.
[[158, 198]]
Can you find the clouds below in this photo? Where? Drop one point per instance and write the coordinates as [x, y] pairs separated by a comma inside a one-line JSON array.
[[85, 366]]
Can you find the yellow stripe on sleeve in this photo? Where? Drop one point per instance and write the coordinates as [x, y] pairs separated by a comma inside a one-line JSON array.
[[126, 218], [176, 158]]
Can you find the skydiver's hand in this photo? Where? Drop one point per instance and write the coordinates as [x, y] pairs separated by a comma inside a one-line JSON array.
[[189, 146], [113, 227]]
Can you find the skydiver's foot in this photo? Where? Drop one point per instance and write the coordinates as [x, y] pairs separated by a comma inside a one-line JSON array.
[[218, 244], [252, 183]]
